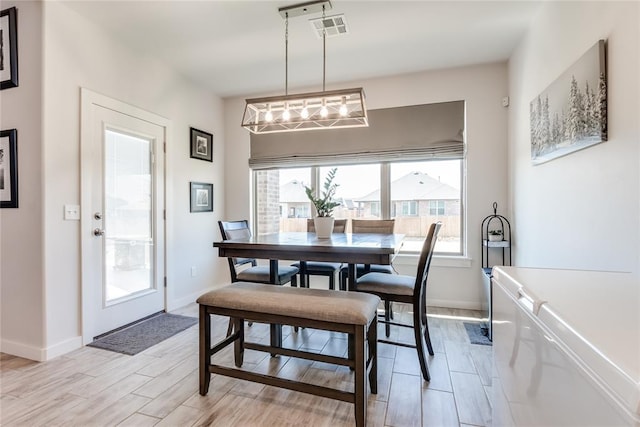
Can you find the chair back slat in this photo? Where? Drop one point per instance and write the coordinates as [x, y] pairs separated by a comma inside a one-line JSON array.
[[384, 226], [232, 230], [425, 261], [339, 225]]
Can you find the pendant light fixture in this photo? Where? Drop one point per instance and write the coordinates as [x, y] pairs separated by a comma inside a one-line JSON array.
[[331, 109]]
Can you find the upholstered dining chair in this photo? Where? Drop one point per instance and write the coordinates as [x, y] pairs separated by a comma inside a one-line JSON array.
[[255, 273], [318, 268], [384, 226], [409, 290]]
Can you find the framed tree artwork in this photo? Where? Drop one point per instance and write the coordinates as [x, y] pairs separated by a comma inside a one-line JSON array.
[[8, 48], [571, 114], [201, 145], [201, 197], [9, 168]]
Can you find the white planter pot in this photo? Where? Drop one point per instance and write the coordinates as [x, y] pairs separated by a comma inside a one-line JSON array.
[[495, 237], [324, 226]]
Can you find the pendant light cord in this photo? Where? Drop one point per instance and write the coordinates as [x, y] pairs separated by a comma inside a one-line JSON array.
[[324, 50], [286, 54]]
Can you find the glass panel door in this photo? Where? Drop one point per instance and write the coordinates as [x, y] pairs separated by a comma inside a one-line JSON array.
[[128, 222]]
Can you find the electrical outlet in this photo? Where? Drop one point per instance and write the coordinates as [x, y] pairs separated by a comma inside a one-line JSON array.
[[194, 272], [72, 212]]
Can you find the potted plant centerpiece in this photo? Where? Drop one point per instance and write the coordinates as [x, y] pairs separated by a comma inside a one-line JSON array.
[[495, 235], [324, 205]]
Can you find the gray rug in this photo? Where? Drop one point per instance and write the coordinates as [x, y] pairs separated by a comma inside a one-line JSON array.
[[477, 334], [140, 336]]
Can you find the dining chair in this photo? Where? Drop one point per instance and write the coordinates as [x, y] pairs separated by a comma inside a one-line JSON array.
[[318, 268], [231, 230], [409, 290], [383, 226]]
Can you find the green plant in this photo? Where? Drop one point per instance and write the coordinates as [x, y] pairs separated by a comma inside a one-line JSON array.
[[495, 232], [325, 203]]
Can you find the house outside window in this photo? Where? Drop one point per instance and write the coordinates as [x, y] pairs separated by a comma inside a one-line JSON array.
[[419, 193]]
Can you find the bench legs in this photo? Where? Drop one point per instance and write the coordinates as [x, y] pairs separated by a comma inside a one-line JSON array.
[[362, 357], [205, 350]]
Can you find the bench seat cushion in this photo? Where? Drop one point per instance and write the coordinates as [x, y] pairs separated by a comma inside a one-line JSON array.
[[350, 308]]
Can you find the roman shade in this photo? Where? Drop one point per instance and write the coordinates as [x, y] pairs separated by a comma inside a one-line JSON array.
[[402, 133]]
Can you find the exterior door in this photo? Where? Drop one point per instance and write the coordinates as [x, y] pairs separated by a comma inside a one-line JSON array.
[[122, 219]]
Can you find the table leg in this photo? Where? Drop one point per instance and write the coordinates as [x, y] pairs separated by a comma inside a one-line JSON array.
[[273, 271], [351, 281], [275, 329], [303, 274]]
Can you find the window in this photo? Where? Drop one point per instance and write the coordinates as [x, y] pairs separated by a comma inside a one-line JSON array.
[[418, 194], [281, 202], [436, 207], [409, 208]]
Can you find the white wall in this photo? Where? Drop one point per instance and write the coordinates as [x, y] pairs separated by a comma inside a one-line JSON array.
[[77, 54], [21, 230], [482, 87], [580, 211]]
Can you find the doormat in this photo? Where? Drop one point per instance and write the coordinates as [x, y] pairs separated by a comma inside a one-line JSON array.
[[140, 336], [477, 334]]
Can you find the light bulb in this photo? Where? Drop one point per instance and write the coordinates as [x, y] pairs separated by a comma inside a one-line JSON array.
[[268, 116], [343, 107], [304, 113], [285, 114], [323, 111]]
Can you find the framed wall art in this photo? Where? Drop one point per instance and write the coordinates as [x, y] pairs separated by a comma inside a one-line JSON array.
[[571, 114], [9, 168], [8, 48], [201, 197], [201, 145]]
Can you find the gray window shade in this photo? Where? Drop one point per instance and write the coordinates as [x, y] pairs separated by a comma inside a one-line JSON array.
[[402, 133]]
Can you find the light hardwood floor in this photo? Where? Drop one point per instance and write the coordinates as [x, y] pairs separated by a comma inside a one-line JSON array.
[[93, 387]]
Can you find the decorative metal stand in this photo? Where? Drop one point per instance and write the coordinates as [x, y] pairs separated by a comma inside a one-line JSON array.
[[496, 222], [493, 223]]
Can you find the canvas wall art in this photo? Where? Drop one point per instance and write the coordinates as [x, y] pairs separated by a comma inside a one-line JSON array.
[[571, 114]]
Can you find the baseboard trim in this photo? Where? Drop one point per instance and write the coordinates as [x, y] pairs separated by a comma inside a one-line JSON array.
[[174, 304], [466, 305], [40, 354]]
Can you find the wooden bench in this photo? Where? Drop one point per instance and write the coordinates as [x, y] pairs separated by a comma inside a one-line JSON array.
[[348, 312]]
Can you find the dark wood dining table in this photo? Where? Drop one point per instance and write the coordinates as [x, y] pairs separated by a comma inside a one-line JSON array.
[[347, 248]]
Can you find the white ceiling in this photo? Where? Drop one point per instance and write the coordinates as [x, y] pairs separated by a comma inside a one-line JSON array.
[[237, 47]]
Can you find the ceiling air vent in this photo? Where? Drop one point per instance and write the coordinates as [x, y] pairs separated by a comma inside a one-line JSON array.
[[335, 25]]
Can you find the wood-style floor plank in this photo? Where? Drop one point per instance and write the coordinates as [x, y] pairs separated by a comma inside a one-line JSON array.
[[160, 385]]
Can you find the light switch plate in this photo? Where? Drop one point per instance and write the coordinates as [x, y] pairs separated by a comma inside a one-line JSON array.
[[72, 212]]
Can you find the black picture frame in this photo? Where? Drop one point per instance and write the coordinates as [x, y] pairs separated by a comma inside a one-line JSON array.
[[201, 197], [201, 145], [8, 48], [9, 168]]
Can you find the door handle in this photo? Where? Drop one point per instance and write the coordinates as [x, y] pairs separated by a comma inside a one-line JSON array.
[[98, 232]]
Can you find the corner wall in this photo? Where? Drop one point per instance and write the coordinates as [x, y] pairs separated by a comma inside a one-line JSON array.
[[22, 329], [580, 211], [451, 283]]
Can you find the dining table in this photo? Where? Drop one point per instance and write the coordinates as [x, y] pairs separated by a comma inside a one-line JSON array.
[[348, 248]]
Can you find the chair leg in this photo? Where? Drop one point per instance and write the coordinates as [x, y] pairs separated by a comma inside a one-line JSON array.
[[420, 342], [205, 350], [332, 281], [387, 326], [294, 281], [425, 325], [343, 281], [391, 310]]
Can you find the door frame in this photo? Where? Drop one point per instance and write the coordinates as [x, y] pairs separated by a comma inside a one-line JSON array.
[[89, 99]]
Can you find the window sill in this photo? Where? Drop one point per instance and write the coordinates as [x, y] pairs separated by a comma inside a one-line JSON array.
[[436, 261]]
